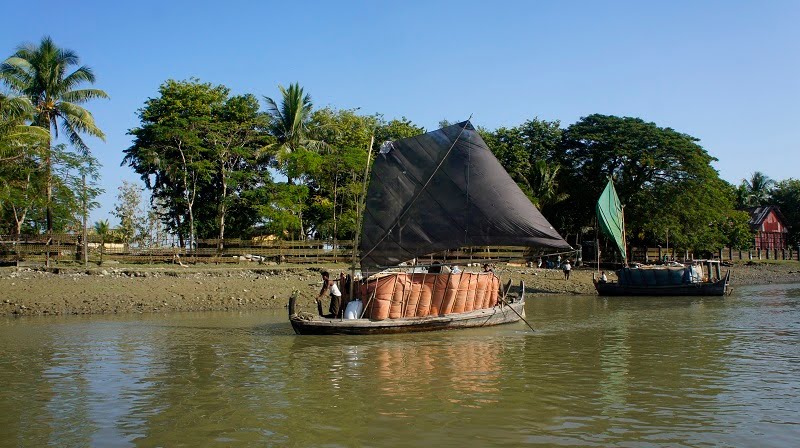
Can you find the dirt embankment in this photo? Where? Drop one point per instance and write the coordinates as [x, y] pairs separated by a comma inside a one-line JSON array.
[[103, 290]]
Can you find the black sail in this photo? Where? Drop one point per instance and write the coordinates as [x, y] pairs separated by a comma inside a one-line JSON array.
[[445, 190]]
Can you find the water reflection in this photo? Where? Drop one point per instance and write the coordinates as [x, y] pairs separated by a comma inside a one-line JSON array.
[[604, 372]]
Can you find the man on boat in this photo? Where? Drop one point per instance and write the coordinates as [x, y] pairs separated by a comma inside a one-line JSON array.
[[329, 286]]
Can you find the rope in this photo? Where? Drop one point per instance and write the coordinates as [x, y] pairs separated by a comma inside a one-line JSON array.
[[419, 193]]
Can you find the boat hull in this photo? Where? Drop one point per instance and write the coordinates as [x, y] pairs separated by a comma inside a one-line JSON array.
[[718, 288], [511, 309], [501, 314]]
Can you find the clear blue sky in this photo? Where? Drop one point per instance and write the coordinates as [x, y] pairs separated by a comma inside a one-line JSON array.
[[726, 72]]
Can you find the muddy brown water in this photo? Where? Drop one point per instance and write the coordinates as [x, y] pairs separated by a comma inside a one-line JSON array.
[[598, 372]]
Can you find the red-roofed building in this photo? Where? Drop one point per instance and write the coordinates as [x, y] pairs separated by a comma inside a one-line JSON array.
[[770, 227]]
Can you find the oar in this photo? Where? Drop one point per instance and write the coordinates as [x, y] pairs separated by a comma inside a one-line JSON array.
[[503, 298], [520, 315]]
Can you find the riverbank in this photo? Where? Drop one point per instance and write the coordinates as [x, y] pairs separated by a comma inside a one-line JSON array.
[[116, 289]]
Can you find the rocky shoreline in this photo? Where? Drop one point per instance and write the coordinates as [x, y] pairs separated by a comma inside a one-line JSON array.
[[109, 290]]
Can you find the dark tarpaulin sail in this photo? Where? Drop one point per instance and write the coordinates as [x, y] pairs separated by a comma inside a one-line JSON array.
[[444, 190]]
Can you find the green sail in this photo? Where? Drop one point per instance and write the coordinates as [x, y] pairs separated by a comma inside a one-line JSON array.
[[609, 215]]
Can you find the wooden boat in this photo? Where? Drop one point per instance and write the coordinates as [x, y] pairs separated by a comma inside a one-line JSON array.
[[434, 192], [662, 280], [712, 288], [505, 312]]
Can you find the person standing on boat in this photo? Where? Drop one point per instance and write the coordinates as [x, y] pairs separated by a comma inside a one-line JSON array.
[[566, 267], [329, 286]]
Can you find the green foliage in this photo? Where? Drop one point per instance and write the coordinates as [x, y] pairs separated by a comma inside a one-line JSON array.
[[395, 129], [42, 74], [663, 177], [197, 150], [786, 195], [755, 191], [128, 209], [282, 209], [336, 187], [528, 152]]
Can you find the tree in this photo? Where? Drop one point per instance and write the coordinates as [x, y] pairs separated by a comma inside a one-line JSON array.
[[41, 73], [233, 137], [20, 149], [295, 148], [786, 195], [755, 191], [102, 228], [169, 151], [663, 177], [528, 152], [336, 187], [128, 209]]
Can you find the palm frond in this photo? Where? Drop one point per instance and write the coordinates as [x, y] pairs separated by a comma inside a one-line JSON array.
[[83, 95]]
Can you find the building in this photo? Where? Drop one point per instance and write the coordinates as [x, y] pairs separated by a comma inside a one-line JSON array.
[[770, 227]]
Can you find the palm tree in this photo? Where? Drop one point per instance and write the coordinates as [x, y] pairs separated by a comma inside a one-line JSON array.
[[41, 73], [295, 151], [15, 136], [102, 228], [757, 189], [544, 185], [289, 125]]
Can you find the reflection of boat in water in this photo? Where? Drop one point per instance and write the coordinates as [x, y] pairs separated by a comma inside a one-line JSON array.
[[434, 192], [700, 278]]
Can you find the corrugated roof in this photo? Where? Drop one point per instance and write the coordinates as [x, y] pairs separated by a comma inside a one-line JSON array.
[[759, 214]]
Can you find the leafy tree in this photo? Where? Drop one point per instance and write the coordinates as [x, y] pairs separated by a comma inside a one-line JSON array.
[[281, 208], [336, 187], [786, 195], [169, 151], [394, 129], [234, 137], [755, 191], [664, 178], [528, 152], [128, 209], [21, 146], [42, 73]]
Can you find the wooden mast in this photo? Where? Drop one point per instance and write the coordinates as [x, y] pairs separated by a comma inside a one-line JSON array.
[[624, 240], [360, 216]]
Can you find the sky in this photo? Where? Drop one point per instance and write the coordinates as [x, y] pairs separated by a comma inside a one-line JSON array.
[[726, 72]]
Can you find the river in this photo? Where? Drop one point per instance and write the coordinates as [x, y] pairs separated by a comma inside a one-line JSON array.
[[597, 372]]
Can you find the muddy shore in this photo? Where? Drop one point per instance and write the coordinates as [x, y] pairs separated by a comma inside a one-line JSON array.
[[136, 289]]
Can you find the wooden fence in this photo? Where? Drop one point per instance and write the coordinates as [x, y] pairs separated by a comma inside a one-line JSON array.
[[65, 248], [650, 254]]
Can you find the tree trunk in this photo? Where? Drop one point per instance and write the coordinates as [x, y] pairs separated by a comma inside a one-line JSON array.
[[222, 210], [335, 184], [48, 166]]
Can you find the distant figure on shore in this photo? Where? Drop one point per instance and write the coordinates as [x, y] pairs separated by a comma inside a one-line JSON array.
[[487, 268], [329, 286], [539, 262], [566, 267], [455, 269]]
